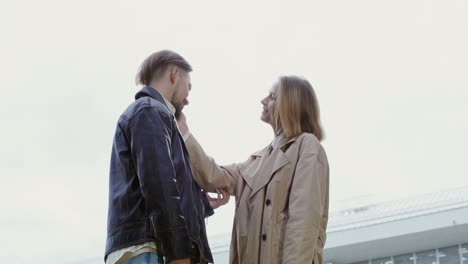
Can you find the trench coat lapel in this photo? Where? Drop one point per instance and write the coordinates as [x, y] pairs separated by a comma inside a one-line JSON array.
[[276, 160], [249, 177]]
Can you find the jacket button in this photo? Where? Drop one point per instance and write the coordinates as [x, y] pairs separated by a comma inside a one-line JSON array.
[[264, 237], [268, 202]]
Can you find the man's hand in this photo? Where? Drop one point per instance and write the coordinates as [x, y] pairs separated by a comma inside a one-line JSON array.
[[221, 199], [180, 261], [182, 123]]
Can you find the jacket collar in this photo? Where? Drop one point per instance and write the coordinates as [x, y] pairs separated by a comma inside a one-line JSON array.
[[151, 92], [279, 158], [268, 149], [287, 142]]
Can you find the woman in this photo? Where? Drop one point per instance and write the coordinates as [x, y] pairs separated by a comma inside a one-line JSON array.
[[282, 190]]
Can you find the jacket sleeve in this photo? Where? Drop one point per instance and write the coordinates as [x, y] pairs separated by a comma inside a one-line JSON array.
[[307, 200], [150, 140], [207, 173], [209, 211]]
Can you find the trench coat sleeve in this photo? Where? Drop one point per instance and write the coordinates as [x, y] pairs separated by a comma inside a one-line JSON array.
[[307, 199], [208, 174]]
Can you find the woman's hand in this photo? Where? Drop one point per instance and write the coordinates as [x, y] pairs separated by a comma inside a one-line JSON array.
[[221, 199], [182, 123]]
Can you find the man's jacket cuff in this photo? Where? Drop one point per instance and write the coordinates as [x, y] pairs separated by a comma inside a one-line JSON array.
[[175, 244]]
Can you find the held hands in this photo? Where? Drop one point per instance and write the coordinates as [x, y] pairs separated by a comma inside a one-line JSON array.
[[221, 199]]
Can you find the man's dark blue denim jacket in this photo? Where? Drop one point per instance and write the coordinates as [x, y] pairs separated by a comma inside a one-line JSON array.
[[152, 194]]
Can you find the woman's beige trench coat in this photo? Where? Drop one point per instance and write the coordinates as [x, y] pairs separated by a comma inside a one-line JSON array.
[[281, 200]]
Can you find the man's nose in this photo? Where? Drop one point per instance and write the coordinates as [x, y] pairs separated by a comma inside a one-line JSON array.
[[186, 101]]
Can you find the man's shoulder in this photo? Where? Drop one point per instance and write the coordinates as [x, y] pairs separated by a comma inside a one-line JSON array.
[[144, 103]]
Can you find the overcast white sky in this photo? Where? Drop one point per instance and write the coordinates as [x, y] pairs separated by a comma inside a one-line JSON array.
[[391, 77]]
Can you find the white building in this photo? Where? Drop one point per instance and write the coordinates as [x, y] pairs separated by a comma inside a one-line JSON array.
[[431, 228]]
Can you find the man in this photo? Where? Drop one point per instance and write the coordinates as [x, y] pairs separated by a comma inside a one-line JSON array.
[[156, 209]]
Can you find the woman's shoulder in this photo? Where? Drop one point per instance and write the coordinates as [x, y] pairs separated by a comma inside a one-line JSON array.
[[309, 139], [309, 144]]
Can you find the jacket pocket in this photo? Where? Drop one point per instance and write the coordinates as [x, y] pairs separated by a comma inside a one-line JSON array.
[[127, 226], [282, 216], [153, 226]]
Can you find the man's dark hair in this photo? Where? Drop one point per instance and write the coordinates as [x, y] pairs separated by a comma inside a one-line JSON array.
[[156, 64]]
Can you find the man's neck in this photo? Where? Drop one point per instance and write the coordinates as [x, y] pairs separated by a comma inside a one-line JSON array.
[[170, 106], [166, 94], [162, 89]]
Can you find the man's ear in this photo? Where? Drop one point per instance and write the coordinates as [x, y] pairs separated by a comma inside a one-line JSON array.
[[173, 74]]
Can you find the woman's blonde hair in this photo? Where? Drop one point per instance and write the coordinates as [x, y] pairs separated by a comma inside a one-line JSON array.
[[297, 109]]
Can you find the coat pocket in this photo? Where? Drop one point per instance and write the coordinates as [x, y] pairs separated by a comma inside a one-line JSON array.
[[282, 216]]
